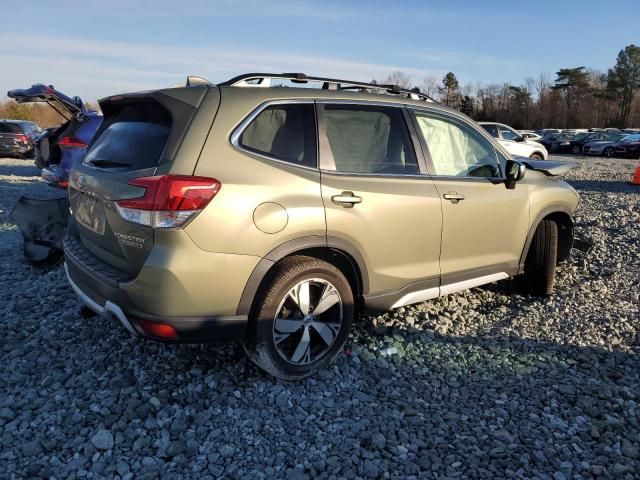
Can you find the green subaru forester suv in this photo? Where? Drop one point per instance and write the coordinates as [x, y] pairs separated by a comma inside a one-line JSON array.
[[247, 211]]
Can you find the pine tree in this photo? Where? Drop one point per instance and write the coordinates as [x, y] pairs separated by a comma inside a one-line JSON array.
[[450, 90], [623, 80], [573, 84]]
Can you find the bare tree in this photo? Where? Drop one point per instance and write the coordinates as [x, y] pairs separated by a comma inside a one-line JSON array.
[[398, 78], [430, 86]]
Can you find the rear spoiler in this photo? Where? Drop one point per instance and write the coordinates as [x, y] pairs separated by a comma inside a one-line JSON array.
[[551, 168]]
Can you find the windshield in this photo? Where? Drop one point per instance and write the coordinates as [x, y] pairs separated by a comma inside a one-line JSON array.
[[508, 133], [582, 135]]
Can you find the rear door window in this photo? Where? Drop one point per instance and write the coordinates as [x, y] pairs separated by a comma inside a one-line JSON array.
[[284, 132], [491, 129], [134, 139], [369, 139]]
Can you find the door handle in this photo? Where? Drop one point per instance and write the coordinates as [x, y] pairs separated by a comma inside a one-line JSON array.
[[346, 199], [453, 197]]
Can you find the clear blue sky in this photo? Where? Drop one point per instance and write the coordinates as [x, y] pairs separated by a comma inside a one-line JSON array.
[[96, 48]]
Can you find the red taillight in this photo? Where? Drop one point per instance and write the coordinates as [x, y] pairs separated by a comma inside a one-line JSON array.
[[71, 142], [159, 330], [22, 138], [169, 201]]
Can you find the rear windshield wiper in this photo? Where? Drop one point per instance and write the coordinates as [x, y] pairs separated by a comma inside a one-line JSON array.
[[107, 163]]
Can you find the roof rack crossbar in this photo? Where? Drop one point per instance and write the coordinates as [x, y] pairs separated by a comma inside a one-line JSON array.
[[264, 80]]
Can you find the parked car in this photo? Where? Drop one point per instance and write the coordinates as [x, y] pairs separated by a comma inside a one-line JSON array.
[[548, 132], [628, 146], [275, 215], [558, 143], [529, 135], [57, 149], [515, 143], [581, 139], [17, 138], [604, 147]]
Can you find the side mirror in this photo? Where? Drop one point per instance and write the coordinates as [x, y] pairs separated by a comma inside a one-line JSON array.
[[514, 171], [521, 138]]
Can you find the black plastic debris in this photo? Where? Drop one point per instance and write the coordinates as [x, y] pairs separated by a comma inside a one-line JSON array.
[[43, 224], [582, 244]]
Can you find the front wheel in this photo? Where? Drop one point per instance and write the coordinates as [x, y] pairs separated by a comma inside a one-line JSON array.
[[536, 156], [608, 152], [301, 318], [575, 149], [540, 264]]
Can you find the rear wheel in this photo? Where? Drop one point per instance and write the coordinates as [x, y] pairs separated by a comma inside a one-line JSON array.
[[540, 264], [536, 156], [301, 318]]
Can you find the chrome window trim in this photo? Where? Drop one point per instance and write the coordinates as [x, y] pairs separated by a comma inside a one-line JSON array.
[[421, 176], [237, 132]]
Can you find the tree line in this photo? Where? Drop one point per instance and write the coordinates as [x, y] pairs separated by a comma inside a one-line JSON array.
[[578, 97]]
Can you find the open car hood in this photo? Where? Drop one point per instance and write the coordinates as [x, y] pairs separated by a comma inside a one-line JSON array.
[[550, 168], [66, 106]]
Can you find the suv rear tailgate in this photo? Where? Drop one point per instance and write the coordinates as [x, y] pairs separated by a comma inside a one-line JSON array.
[[141, 136]]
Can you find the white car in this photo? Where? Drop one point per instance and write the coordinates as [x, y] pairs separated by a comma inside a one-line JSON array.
[[515, 143]]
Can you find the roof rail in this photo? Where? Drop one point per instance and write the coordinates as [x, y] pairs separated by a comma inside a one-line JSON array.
[[264, 80]]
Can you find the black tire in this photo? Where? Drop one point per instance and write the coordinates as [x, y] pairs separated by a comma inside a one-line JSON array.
[[575, 150], [540, 264], [536, 156], [608, 152], [260, 341]]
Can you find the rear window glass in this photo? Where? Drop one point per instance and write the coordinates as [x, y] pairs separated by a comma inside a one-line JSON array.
[[133, 140], [285, 132], [10, 128]]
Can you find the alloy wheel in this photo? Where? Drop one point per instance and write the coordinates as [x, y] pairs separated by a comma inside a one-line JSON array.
[[307, 321]]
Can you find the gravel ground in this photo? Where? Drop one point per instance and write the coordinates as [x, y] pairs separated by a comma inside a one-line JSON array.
[[485, 384]]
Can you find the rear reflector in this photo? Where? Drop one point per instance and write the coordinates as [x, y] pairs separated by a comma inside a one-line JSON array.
[[169, 201], [159, 330], [71, 142]]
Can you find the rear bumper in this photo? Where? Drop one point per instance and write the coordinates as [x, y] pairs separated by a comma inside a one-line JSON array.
[[112, 302], [17, 150]]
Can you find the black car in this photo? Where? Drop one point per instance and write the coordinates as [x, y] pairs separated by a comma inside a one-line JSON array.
[[557, 143], [628, 147], [17, 138]]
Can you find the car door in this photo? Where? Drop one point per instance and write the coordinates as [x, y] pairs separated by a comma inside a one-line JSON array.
[[379, 199], [484, 224]]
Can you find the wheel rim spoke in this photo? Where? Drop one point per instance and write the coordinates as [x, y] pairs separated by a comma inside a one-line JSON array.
[[328, 299], [303, 348], [325, 331], [300, 295], [284, 325]]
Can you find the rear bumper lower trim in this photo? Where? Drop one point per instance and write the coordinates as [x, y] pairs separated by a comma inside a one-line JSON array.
[[109, 308], [110, 301]]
